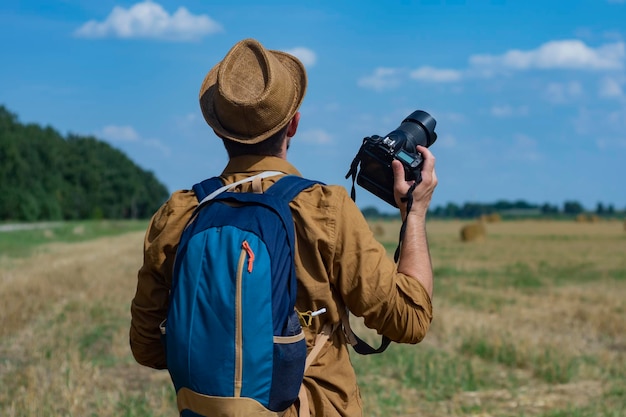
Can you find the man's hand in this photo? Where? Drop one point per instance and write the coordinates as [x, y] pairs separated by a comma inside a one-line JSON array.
[[414, 259], [424, 190]]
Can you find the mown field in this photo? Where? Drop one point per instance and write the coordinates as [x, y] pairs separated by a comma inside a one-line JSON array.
[[529, 322]]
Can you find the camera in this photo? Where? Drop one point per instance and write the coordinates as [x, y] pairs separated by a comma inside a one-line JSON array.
[[377, 153]]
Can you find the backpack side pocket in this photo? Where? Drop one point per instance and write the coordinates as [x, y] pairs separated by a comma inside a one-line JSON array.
[[289, 359]]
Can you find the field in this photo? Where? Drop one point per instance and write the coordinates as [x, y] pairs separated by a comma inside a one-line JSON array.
[[529, 322]]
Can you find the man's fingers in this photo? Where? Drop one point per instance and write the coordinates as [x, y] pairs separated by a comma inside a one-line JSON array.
[[429, 158], [398, 173]]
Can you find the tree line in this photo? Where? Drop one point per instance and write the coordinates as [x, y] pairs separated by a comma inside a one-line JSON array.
[[509, 209], [45, 176]]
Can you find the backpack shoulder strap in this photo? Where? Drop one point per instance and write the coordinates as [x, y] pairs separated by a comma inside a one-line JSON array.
[[287, 188], [290, 186], [212, 187], [206, 187]]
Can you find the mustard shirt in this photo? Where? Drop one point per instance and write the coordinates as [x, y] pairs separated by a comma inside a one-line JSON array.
[[339, 264]]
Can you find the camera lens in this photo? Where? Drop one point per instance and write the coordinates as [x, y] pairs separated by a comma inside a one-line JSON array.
[[417, 129]]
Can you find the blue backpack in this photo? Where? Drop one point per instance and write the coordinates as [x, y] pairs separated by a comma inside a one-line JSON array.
[[233, 340]]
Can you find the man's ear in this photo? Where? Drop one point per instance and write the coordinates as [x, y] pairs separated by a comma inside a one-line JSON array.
[[293, 125]]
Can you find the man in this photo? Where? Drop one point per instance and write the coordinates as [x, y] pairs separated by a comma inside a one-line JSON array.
[[251, 100]]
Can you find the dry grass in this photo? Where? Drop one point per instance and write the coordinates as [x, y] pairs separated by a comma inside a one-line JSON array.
[[537, 315], [528, 323], [64, 349]]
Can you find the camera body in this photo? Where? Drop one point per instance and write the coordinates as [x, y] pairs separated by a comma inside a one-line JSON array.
[[377, 153]]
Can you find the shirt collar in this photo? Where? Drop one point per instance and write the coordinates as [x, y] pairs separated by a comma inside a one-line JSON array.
[[252, 164]]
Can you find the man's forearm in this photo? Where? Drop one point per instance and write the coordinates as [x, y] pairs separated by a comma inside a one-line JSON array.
[[414, 259]]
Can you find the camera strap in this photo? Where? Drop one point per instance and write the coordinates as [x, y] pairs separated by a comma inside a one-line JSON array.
[[409, 204], [359, 345], [354, 169]]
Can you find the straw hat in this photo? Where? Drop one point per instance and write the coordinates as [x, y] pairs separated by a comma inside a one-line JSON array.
[[252, 93]]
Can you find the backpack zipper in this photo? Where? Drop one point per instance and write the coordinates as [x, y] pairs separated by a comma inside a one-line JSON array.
[[246, 246], [246, 252]]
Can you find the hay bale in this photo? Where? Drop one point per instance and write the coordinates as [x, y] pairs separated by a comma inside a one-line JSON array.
[[581, 218], [473, 232], [587, 218], [378, 230], [494, 218]]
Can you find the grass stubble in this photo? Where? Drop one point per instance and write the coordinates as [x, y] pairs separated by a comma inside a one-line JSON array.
[[529, 322]]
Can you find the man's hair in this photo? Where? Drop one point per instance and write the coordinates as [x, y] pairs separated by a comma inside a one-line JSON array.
[[271, 146]]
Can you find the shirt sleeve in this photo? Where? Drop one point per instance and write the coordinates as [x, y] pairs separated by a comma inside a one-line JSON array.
[[154, 279], [394, 304]]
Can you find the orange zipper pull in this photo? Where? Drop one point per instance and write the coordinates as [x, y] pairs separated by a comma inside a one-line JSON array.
[[248, 250]]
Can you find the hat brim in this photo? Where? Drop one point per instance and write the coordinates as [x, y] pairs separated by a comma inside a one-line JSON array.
[[209, 87]]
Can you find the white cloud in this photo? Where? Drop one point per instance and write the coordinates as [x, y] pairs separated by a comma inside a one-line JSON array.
[[508, 111], [150, 20], [157, 144], [572, 54], [611, 88], [501, 111], [524, 148], [451, 117], [119, 133], [447, 141], [564, 54], [524, 141], [563, 92], [382, 79], [436, 75], [113, 133], [607, 127], [613, 129], [305, 55], [188, 120], [315, 136], [608, 143]]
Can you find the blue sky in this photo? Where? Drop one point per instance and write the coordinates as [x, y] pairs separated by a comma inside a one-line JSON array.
[[529, 96]]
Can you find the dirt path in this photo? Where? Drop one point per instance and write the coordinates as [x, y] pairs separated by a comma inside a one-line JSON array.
[[28, 226]]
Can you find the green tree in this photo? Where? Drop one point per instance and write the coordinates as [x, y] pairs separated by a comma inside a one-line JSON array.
[[572, 207], [44, 176]]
